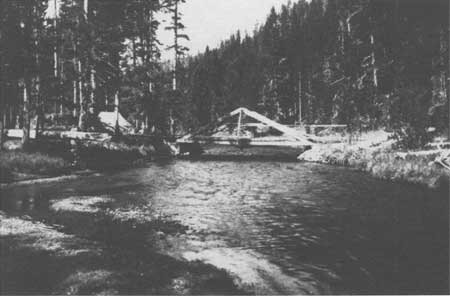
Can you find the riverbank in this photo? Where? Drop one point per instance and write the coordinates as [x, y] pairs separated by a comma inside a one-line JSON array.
[[375, 153], [51, 158]]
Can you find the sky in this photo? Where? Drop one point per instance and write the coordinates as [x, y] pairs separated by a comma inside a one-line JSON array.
[[210, 21]]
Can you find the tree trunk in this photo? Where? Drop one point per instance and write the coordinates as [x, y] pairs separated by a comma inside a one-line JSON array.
[[171, 123], [300, 97], [81, 99], [75, 80], [116, 111], [93, 87], [2, 98], [75, 101], [448, 77], [39, 118], [374, 62], [26, 114], [39, 103], [90, 60], [86, 8], [81, 113], [2, 116], [134, 53], [174, 82]]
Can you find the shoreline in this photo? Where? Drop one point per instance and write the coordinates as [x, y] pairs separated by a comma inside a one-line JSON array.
[[42, 179], [381, 161]]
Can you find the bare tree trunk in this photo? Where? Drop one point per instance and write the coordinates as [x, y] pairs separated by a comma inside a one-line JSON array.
[[151, 59], [56, 62], [26, 114], [2, 98], [175, 70], [342, 38], [374, 62], [75, 81], [171, 123], [39, 104], [300, 96], [134, 53], [90, 59], [2, 112], [448, 76], [174, 86], [81, 100], [93, 87], [75, 101], [116, 111], [80, 72], [86, 8]]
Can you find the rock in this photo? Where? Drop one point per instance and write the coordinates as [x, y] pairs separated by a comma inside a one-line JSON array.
[[12, 145]]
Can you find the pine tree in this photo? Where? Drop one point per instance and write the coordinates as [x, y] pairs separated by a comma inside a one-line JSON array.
[[177, 27]]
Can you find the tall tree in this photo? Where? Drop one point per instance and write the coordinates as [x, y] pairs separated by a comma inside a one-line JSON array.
[[177, 27]]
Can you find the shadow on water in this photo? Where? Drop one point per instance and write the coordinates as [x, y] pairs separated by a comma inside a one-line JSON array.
[[108, 252], [118, 270], [282, 227]]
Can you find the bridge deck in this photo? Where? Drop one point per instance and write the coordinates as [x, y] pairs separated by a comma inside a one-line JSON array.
[[290, 137], [245, 141]]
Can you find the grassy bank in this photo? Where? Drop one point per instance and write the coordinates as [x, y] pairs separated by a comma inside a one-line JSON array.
[[377, 156], [55, 157], [18, 165]]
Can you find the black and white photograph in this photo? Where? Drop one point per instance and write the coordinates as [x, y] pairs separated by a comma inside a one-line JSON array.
[[224, 147]]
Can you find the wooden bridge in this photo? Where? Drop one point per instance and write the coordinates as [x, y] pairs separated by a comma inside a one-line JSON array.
[[250, 130]]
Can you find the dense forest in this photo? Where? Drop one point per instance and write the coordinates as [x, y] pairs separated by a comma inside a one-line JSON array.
[[366, 63], [61, 70]]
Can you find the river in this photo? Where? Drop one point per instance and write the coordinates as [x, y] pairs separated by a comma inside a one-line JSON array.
[[276, 227]]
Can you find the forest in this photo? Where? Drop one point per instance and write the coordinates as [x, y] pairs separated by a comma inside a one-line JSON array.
[[369, 64]]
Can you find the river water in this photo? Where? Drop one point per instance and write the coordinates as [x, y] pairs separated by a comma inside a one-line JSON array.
[[276, 227]]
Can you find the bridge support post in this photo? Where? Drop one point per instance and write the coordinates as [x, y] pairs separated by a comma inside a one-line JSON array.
[[239, 124]]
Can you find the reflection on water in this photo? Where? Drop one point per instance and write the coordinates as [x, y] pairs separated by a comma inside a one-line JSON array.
[[279, 227]]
